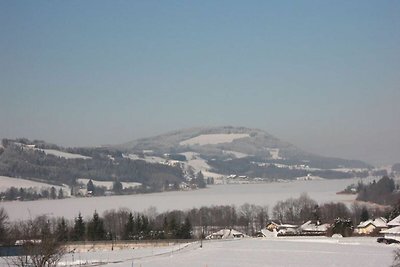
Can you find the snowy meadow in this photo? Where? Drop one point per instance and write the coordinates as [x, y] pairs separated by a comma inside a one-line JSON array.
[[274, 252], [228, 194]]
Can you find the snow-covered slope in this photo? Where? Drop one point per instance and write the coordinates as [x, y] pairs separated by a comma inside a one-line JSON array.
[[237, 142], [213, 139], [7, 182], [62, 154]]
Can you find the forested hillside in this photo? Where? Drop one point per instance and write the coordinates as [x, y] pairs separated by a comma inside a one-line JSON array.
[[24, 159]]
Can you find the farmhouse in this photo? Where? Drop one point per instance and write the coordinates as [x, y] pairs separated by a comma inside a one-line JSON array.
[[226, 234], [371, 226], [395, 222], [311, 228], [272, 225]]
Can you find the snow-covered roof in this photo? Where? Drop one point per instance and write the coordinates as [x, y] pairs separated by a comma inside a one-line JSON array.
[[288, 226], [364, 223], [380, 222], [226, 233], [394, 222], [377, 222], [312, 227], [394, 230]]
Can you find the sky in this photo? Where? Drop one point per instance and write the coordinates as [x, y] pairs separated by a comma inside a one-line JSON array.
[[322, 75]]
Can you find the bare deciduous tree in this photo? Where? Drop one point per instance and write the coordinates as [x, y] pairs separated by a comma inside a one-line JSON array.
[[40, 248]]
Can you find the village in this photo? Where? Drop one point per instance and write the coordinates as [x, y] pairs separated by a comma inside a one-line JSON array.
[[387, 232]]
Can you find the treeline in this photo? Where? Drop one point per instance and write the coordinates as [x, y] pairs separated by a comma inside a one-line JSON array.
[[381, 192], [31, 193], [124, 224], [113, 225], [104, 165]]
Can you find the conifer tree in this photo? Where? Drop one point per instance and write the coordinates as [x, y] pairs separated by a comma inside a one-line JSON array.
[[79, 229], [95, 228], [129, 227], [62, 230]]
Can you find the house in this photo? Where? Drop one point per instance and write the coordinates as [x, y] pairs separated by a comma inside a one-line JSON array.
[[311, 228], [272, 225], [370, 226], [395, 222], [226, 234], [287, 229], [267, 233], [392, 233]]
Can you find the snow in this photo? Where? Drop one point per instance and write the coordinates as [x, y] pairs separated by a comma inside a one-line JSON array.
[[394, 230], [150, 159], [274, 153], [377, 222], [61, 154], [199, 164], [226, 234], [394, 222], [7, 182], [237, 155], [259, 194], [212, 139], [249, 252], [278, 252], [194, 160]]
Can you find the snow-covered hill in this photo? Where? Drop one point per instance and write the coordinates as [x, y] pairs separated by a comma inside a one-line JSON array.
[[222, 151]]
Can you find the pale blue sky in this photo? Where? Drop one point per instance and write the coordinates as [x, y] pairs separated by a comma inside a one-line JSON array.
[[323, 75]]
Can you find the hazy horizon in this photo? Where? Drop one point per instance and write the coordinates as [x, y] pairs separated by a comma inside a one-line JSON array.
[[324, 76]]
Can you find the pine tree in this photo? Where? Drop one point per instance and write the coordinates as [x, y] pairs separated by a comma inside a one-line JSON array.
[[53, 193], [117, 187], [62, 230], [60, 194], [200, 180], [364, 214], [129, 227], [90, 186], [185, 231], [79, 229], [173, 227], [95, 228]]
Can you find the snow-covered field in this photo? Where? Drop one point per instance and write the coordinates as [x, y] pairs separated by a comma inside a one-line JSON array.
[[7, 182], [212, 139], [260, 194], [278, 252], [150, 159], [237, 155], [274, 252], [61, 154]]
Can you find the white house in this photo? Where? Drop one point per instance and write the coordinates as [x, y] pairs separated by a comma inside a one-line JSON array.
[[392, 233], [311, 228], [369, 226], [395, 222], [226, 234]]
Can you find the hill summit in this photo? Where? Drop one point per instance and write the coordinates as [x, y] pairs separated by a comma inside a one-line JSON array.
[[228, 143]]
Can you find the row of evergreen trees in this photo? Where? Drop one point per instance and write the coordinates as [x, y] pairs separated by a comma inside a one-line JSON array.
[[136, 227], [14, 193]]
